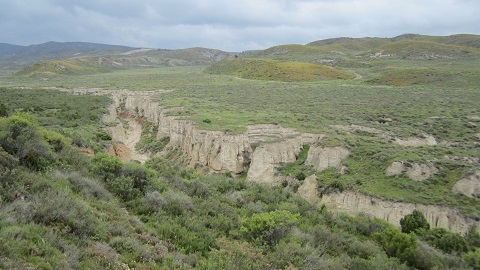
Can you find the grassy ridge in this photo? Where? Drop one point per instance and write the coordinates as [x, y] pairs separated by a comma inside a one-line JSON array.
[[412, 49], [61, 67], [263, 69]]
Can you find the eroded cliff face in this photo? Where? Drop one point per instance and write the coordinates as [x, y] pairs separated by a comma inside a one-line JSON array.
[[326, 157], [355, 203], [269, 157], [217, 151], [414, 171], [469, 185]]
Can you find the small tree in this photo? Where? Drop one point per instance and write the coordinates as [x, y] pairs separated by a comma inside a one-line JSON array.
[[414, 222], [398, 244]]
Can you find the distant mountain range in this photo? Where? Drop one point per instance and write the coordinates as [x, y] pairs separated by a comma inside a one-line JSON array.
[[343, 52], [106, 56], [55, 50]]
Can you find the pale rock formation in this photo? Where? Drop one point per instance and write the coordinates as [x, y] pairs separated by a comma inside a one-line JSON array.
[[374, 131], [469, 185], [309, 188], [414, 171], [218, 151], [354, 203], [326, 157], [417, 141], [269, 157]]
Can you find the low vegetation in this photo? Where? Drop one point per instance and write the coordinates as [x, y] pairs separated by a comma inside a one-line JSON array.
[[263, 69], [80, 212], [60, 67]]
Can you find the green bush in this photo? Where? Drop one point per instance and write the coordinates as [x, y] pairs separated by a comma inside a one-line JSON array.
[[162, 166], [473, 259], [269, 227], [21, 137], [472, 237], [446, 241], [414, 222], [141, 175], [398, 244], [106, 166], [3, 110]]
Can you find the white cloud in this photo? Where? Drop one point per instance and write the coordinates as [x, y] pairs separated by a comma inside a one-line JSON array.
[[229, 25]]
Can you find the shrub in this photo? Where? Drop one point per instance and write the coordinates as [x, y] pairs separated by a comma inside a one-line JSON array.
[[56, 208], [141, 175], [268, 227], [21, 137], [398, 244], [473, 259], [446, 241], [163, 166], [106, 166], [3, 110], [88, 187], [414, 222], [177, 203], [472, 237]]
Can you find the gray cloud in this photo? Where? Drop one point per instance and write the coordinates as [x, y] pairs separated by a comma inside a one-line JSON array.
[[228, 25]]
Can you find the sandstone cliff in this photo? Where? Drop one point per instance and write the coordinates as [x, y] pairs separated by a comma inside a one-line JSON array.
[[217, 151], [354, 203]]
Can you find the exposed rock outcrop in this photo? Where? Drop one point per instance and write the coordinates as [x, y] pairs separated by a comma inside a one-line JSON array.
[[414, 171], [269, 157], [354, 203], [309, 188], [469, 185], [424, 140], [417, 141], [326, 157]]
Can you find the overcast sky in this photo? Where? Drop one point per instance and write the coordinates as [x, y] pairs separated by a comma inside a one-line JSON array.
[[231, 25]]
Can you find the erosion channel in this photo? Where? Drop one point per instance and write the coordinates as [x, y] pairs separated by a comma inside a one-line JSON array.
[[259, 152]]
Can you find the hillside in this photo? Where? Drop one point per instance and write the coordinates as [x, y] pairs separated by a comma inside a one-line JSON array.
[[105, 57], [155, 58], [460, 39], [262, 69], [25, 55], [60, 67]]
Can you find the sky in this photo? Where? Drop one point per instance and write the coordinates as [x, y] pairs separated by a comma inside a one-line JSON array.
[[229, 25]]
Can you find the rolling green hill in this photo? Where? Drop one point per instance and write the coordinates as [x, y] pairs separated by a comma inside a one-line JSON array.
[[264, 69], [60, 67]]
